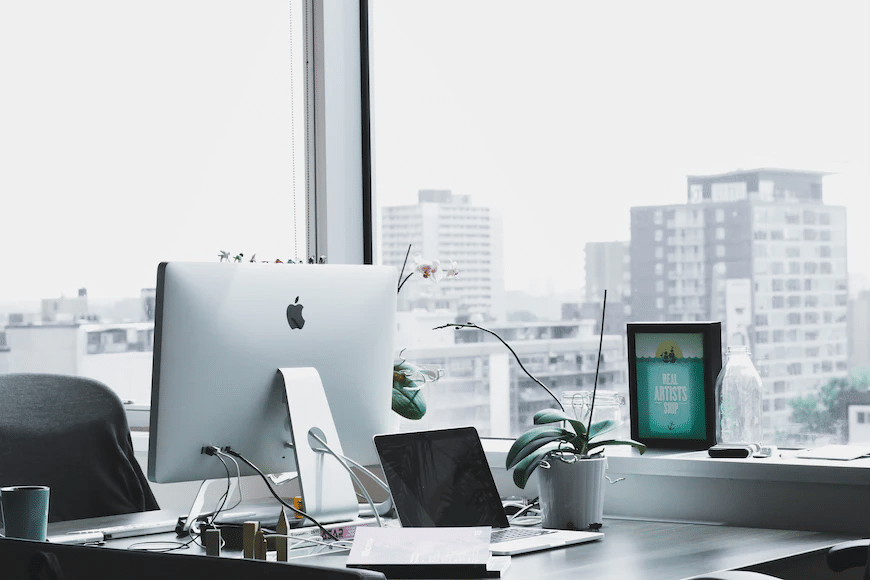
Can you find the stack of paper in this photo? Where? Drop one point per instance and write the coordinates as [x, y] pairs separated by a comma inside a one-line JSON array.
[[426, 552]]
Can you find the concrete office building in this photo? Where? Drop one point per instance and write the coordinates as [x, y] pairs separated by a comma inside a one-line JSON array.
[[446, 226], [762, 252], [607, 268], [117, 354], [69, 336]]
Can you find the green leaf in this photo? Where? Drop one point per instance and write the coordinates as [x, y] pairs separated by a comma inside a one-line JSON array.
[[408, 403], [639, 446], [523, 470], [601, 427], [533, 439], [555, 416]]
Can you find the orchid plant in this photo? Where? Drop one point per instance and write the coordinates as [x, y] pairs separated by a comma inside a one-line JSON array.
[[409, 379], [429, 270], [556, 435]]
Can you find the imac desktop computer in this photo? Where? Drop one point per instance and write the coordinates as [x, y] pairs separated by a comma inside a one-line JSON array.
[[258, 357]]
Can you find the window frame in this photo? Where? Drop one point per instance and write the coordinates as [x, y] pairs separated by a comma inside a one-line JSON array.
[[340, 187]]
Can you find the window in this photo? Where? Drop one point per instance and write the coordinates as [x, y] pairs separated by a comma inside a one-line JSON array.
[[140, 132], [460, 121]]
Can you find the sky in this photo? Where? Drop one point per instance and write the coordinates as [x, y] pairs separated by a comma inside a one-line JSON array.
[[152, 130], [567, 115]]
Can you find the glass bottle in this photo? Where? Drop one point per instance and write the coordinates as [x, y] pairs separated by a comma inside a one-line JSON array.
[[738, 399], [608, 406]]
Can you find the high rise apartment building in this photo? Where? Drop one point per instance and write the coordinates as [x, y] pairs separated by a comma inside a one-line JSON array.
[[760, 251], [607, 268], [446, 226]]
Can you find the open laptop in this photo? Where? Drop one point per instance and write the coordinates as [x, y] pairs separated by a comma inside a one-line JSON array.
[[441, 478]]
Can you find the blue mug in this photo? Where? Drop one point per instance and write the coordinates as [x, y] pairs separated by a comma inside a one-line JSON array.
[[25, 511]]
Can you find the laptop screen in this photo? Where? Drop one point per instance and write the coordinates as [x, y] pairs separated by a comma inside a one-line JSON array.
[[440, 478]]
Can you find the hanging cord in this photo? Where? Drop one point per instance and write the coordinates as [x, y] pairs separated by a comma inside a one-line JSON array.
[[385, 505], [194, 533], [341, 460], [234, 453]]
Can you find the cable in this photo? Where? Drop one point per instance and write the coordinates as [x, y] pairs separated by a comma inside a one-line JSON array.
[[376, 479], [522, 510], [234, 453], [344, 464], [343, 544], [238, 479], [194, 533]]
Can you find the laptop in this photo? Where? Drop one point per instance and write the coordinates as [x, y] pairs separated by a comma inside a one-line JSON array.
[[440, 478]]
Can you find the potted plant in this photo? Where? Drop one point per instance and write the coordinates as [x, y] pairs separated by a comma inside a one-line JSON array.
[[569, 453]]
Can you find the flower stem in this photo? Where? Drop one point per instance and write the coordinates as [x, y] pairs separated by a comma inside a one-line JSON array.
[[597, 366], [516, 356], [402, 273]]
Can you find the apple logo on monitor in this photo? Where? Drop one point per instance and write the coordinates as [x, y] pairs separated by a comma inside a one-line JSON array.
[[294, 315]]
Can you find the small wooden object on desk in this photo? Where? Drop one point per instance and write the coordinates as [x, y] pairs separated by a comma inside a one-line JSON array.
[[281, 542], [249, 533], [212, 539], [259, 545]]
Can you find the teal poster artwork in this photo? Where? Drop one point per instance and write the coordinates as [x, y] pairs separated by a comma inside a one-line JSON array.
[[670, 385]]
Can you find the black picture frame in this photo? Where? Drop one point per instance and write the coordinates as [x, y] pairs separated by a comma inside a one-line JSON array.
[[672, 370]]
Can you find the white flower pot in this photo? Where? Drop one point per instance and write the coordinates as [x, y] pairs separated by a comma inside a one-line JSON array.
[[572, 493]]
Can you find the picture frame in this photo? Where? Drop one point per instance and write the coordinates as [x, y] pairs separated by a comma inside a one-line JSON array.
[[672, 370]]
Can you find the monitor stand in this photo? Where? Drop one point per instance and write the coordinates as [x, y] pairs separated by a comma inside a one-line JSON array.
[[325, 485], [327, 490]]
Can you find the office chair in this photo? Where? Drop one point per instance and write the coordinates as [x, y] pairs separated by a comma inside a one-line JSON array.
[[840, 557], [71, 434]]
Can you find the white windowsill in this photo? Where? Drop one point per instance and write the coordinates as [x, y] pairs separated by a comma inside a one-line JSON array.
[[779, 492]]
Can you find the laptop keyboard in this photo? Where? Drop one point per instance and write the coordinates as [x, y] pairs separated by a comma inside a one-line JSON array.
[[505, 534]]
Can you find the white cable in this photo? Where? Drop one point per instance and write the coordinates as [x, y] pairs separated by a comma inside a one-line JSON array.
[[367, 472], [344, 464], [238, 478], [387, 505], [362, 488], [338, 543]]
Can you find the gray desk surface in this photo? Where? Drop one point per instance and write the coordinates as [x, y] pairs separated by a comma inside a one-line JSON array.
[[639, 549]]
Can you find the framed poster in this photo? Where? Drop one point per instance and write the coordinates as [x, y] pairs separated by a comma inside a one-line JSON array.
[[672, 370]]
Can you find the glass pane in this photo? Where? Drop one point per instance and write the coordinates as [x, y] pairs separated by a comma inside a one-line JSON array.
[[133, 133], [538, 144]]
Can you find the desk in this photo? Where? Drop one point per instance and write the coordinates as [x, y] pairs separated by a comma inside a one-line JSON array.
[[640, 549]]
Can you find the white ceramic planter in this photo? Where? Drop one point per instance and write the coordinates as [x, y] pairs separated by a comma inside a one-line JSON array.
[[572, 494]]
